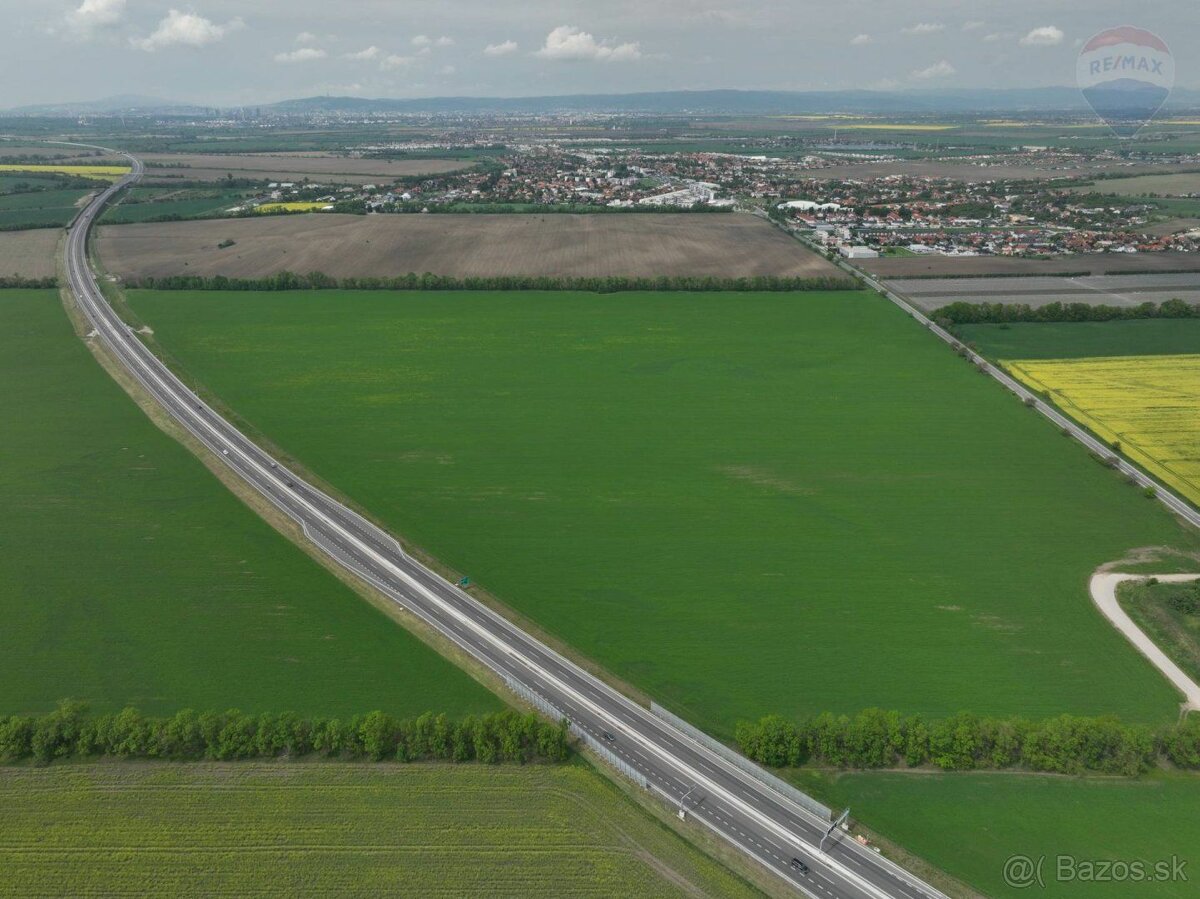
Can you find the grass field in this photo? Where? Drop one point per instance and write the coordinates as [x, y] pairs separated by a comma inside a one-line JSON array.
[[130, 575], [1055, 340], [1146, 404], [42, 207], [155, 202], [1174, 630], [480, 245], [742, 503], [969, 825], [317, 167], [338, 830]]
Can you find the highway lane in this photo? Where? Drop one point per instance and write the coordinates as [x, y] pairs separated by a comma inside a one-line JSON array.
[[748, 812]]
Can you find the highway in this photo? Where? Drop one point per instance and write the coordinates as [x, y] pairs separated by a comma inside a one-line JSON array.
[[761, 820]]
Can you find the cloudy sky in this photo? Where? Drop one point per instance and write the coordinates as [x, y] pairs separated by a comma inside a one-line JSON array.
[[226, 52]]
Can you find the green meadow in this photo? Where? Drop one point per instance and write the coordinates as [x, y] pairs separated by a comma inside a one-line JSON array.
[[1067, 340], [971, 824], [130, 575], [740, 503]]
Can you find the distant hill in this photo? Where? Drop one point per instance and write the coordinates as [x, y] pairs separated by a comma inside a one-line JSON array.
[[732, 102], [122, 103], [722, 102]]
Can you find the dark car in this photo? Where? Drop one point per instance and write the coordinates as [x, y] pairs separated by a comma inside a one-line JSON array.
[[799, 866], [607, 736]]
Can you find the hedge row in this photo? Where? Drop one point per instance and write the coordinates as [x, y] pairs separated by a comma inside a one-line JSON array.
[[7, 281], [881, 739], [961, 313], [69, 731], [413, 281]]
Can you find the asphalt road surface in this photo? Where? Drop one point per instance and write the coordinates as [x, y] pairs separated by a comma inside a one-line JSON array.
[[764, 823]]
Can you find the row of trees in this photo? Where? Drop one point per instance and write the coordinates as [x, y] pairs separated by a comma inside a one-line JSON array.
[[69, 731], [413, 281], [7, 281], [961, 313], [881, 739]]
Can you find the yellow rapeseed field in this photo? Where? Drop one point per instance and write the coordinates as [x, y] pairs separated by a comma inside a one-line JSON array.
[[897, 126], [291, 207], [99, 172], [1151, 404]]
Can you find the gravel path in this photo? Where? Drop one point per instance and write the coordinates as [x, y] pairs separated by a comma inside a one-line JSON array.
[[1104, 594]]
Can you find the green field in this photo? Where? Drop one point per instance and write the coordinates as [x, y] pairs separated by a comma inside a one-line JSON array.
[[338, 829], [742, 503], [969, 825], [40, 207], [131, 575], [155, 202], [1068, 340], [1167, 614]]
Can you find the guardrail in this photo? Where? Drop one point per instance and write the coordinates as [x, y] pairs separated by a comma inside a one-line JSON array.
[[765, 777]]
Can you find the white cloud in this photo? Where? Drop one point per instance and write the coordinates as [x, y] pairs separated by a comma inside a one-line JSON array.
[[568, 42], [502, 49], [185, 29], [941, 69], [924, 28], [395, 61], [996, 36], [94, 15], [425, 41], [1045, 36], [304, 54], [447, 70], [367, 53], [973, 25], [306, 37], [860, 40]]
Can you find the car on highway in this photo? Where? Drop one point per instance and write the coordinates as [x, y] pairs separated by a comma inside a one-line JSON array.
[[798, 865]]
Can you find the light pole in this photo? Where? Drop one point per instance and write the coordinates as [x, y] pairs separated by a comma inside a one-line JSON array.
[[840, 818], [682, 800]]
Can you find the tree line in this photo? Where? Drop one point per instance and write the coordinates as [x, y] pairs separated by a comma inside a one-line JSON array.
[[885, 739], [71, 732], [7, 281], [412, 281], [962, 313]]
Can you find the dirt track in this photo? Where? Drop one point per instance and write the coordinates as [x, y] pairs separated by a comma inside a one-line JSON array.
[[556, 244]]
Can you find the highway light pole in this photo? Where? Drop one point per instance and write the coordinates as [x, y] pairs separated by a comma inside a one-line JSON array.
[[840, 818]]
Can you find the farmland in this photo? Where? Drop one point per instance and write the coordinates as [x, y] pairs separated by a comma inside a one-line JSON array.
[[741, 503], [969, 825], [968, 266], [40, 208], [327, 168], [339, 829], [97, 172], [1167, 185], [1146, 405], [1064, 340], [1107, 290], [133, 577], [292, 207], [561, 245], [29, 254], [143, 203]]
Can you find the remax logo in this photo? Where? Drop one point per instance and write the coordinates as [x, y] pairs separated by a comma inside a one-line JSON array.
[[1126, 74]]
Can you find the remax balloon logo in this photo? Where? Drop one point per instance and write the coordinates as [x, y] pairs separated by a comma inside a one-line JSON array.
[[1126, 75]]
